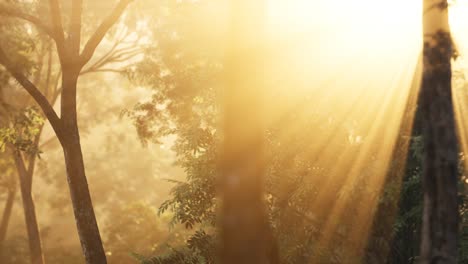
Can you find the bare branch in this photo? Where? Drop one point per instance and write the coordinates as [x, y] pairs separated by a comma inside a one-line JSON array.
[[103, 70], [127, 53], [103, 60], [115, 56], [33, 157], [75, 26], [48, 142], [41, 100], [57, 93], [40, 61], [23, 174], [49, 71], [57, 90], [101, 31], [10, 12], [57, 26]]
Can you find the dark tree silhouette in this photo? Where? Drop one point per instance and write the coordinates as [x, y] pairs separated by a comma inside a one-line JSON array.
[[440, 216]]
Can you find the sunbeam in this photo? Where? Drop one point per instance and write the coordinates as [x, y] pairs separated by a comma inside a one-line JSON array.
[[353, 65]]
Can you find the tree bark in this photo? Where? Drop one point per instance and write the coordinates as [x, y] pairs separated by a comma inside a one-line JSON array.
[[32, 227], [440, 175], [69, 137]]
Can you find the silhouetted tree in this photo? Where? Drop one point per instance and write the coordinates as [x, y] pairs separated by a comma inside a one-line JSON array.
[[440, 171]]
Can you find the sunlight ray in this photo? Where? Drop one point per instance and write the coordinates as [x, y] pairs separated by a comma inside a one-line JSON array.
[[459, 27]]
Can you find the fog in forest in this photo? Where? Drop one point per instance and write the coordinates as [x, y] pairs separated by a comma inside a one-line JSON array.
[[218, 131]]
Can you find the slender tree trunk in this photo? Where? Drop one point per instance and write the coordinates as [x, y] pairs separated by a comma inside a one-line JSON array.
[[32, 226], [6, 216], [245, 233], [82, 205], [440, 216], [85, 218]]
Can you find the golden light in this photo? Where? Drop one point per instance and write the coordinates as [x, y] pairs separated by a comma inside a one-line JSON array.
[[353, 68], [355, 62], [325, 37], [369, 19], [459, 27]]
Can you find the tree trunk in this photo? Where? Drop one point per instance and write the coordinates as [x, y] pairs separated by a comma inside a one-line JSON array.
[[440, 216], [245, 232], [68, 46], [6, 216], [32, 228], [69, 136]]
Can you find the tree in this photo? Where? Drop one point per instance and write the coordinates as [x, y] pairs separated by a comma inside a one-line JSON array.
[[72, 61], [244, 224], [46, 77], [440, 172], [20, 137], [19, 131], [8, 183]]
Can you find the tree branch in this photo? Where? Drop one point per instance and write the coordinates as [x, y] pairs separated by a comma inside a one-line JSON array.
[[75, 26], [103, 60], [23, 174], [101, 31], [48, 142], [10, 12], [102, 70], [115, 57], [57, 90], [49, 71], [48, 110], [33, 157], [57, 26]]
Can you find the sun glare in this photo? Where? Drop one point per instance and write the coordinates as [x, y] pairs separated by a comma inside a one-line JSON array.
[[375, 18], [276, 126], [459, 27], [355, 61], [374, 37], [358, 62]]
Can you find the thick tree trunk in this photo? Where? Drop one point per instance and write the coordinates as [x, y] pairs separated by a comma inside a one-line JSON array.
[[6, 216], [440, 216], [245, 233], [82, 205], [69, 136], [32, 227]]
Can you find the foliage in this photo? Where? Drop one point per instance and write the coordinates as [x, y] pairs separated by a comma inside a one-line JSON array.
[[407, 226], [19, 44], [185, 85], [131, 228], [200, 248], [22, 130]]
